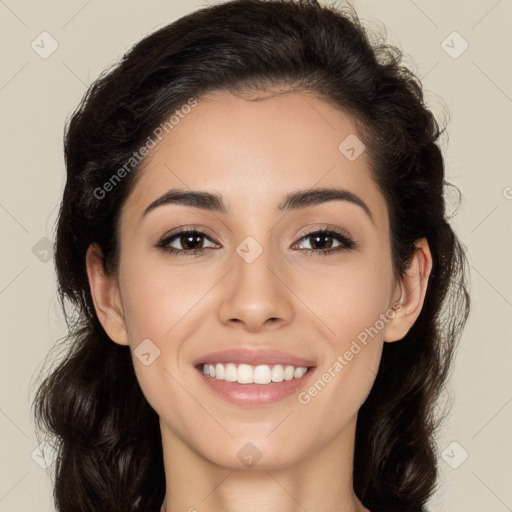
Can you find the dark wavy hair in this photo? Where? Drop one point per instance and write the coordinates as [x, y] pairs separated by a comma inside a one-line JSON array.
[[109, 452]]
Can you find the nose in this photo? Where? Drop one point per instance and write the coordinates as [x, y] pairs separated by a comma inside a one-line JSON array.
[[255, 296]]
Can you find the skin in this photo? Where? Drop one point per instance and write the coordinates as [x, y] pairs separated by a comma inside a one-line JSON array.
[[311, 305]]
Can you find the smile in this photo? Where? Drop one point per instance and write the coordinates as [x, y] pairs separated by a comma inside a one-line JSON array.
[[249, 374]]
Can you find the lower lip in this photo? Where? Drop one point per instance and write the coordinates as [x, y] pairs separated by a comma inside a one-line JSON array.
[[255, 394]]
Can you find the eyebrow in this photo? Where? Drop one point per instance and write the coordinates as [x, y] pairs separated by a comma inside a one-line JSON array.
[[292, 201]]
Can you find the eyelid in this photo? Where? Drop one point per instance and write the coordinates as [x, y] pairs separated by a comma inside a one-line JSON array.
[[327, 227], [191, 228]]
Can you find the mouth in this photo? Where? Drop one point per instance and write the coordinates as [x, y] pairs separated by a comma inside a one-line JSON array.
[[261, 374], [257, 386], [253, 378]]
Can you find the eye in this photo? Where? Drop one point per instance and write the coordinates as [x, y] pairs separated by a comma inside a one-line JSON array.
[[193, 242], [186, 242], [325, 241]]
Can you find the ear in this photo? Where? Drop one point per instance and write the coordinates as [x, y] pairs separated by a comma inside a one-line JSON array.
[[412, 286], [106, 296]]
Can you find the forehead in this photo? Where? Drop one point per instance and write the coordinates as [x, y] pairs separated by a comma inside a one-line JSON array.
[[254, 149]]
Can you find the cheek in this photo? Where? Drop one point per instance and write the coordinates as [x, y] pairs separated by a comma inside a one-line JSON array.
[[161, 304], [350, 361], [352, 306], [157, 297], [348, 299]]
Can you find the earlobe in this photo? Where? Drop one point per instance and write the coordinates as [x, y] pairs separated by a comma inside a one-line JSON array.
[[106, 296], [414, 284]]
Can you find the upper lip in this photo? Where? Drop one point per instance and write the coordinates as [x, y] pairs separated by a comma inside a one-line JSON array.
[[253, 358]]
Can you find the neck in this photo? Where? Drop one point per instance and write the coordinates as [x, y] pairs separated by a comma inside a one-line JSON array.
[[320, 481]]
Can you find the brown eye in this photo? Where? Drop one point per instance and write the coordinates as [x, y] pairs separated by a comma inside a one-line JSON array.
[[321, 241], [191, 241], [186, 242], [325, 241]]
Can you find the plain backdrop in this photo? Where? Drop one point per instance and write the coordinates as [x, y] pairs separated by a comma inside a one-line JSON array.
[[461, 51]]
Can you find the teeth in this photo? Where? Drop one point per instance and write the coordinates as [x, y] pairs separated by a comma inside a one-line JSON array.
[[288, 372], [278, 373], [230, 373], [262, 374], [247, 374], [299, 372]]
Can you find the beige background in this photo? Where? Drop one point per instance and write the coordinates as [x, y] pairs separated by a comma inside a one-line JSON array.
[[36, 96]]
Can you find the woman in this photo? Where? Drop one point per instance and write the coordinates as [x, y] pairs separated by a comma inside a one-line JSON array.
[[268, 292]]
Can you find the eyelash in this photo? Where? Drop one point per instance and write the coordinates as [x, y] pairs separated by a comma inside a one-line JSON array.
[[346, 243]]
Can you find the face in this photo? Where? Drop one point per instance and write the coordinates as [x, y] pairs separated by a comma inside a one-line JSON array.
[[267, 268]]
